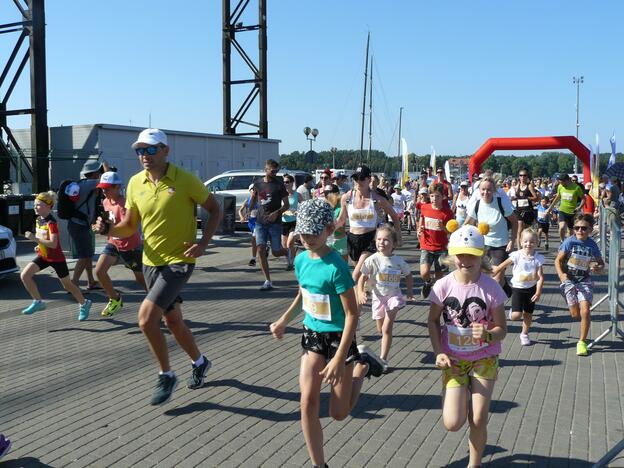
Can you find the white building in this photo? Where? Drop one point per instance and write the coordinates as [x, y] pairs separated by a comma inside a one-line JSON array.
[[204, 154]]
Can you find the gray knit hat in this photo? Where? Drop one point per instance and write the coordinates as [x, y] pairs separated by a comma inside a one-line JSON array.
[[313, 216]]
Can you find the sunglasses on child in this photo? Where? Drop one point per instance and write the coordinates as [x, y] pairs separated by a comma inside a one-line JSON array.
[[581, 228], [150, 150]]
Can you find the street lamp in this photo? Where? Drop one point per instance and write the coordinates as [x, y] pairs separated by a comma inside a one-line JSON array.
[[333, 149], [310, 131], [577, 81]]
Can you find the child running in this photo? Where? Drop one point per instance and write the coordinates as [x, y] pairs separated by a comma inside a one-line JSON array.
[[330, 353], [128, 250], [527, 281], [467, 346], [385, 269], [578, 256], [543, 221], [49, 254]]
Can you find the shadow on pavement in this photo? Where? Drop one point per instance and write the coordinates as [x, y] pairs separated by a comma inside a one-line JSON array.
[[28, 462], [524, 459]]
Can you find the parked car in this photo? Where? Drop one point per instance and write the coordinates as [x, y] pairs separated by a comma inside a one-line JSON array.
[[8, 252], [237, 183]]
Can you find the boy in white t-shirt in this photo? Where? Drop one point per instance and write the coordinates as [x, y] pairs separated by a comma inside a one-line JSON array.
[[385, 270], [527, 281]]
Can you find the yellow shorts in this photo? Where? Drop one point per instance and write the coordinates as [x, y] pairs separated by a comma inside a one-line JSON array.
[[458, 375]]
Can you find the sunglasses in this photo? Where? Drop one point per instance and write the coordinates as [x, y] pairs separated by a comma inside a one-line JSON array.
[[150, 150], [523, 175], [324, 178], [288, 181], [581, 228]]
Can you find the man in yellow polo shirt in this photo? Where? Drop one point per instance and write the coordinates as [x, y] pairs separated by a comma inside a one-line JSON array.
[[162, 199]]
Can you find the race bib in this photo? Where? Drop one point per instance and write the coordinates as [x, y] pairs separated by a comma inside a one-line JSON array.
[[316, 305], [461, 212], [579, 262], [253, 214], [460, 340], [364, 215], [526, 277], [43, 233], [433, 224], [523, 202], [566, 196], [389, 278], [541, 214]]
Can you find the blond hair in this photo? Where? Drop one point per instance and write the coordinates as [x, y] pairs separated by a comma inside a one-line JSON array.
[[49, 198], [529, 231], [486, 265], [388, 229], [333, 199], [488, 179]]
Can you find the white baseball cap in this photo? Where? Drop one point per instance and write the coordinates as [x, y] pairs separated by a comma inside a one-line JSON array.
[[109, 179], [467, 240], [151, 136], [73, 191]]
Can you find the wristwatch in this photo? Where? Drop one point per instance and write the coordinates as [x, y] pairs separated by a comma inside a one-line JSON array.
[[488, 337]]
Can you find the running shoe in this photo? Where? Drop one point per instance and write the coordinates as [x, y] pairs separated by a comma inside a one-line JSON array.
[[93, 286], [196, 380], [112, 307], [252, 262], [35, 306], [509, 311], [581, 348], [426, 289], [84, 310], [524, 339], [384, 366], [267, 286], [164, 389], [367, 356], [546, 245], [5, 445]]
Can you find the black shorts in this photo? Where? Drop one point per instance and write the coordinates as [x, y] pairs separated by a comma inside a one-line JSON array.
[[59, 267], [526, 216], [288, 227], [132, 259], [497, 255], [543, 226], [165, 282], [521, 299], [326, 344], [566, 218], [359, 243]]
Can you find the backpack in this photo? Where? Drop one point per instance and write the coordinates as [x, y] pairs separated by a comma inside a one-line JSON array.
[[66, 208], [500, 208]]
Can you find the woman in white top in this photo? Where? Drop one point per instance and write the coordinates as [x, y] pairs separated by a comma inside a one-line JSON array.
[[359, 207], [460, 203]]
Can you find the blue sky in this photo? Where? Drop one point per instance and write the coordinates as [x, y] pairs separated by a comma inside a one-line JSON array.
[[463, 71]]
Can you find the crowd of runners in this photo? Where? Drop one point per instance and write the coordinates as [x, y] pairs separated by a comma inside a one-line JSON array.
[[339, 237]]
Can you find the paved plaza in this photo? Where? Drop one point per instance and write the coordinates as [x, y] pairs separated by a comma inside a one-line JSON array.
[[77, 393]]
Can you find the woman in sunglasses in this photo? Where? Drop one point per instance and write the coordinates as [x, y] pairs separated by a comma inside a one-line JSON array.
[[524, 198], [325, 179], [360, 205], [289, 219], [578, 256]]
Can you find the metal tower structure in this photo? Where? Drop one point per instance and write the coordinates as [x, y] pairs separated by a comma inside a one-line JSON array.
[[32, 27], [232, 25]]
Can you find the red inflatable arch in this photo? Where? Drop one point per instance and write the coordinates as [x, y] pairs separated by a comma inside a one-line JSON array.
[[529, 143]]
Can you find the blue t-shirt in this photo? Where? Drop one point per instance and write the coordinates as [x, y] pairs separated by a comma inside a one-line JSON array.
[[542, 216], [322, 281], [579, 254]]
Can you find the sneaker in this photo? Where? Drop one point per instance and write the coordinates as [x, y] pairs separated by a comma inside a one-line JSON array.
[[164, 389], [581, 348], [367, 356], [84, 310], [546, 245], [94, 286], [524, 339], [384, 366], [252, 262], [113, 306], [267, 286], [196, 380], [426, 289], [35, 306], [509, 311], [5, 445]]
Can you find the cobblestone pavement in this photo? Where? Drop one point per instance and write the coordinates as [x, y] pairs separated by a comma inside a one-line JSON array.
[[77, 393]]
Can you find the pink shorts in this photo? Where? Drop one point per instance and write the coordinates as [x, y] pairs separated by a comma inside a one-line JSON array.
[[382, 305]]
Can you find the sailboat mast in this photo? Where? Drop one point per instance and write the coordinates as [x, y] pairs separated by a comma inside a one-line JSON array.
[[370, 112], [400, 118], [364, 100]]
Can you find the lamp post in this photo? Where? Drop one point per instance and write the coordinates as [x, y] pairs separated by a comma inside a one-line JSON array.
[[310, 131], [577, 81], [333, 150]]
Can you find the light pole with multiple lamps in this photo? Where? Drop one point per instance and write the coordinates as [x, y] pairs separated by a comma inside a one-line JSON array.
[[577, 81], [310, 131]]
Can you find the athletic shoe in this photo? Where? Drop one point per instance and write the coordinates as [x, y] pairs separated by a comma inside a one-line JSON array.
[[196, 380], [5, 445], [426, 289], [164, 389], [509, 311], [84, 310], [35, 306], [267, 286], [524, 339], [581, 348], [546, 245], [384, 366], [113, 306], [252, 262], [367, 356], [93, 286]]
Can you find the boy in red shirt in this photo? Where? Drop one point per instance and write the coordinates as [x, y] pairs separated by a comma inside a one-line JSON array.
[[128, 250], [433, 235]]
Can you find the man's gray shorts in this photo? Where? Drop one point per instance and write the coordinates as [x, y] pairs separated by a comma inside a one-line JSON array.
[[165, 282]]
